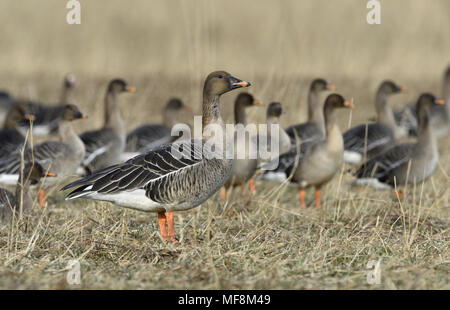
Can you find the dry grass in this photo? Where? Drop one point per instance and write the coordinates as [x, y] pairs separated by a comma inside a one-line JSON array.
[[166, 48]]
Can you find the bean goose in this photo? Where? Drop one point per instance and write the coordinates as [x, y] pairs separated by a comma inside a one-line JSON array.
[[10, 203], [439, 115], [149, 136], [5, 104], [163, 180], [104, 146], [313, 129], [408, 162], [319, 160], [369, 140], [244, 166], [11, 140], [61, 157], [47, 117]]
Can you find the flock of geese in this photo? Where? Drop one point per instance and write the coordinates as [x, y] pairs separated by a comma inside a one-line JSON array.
[[147, 169]]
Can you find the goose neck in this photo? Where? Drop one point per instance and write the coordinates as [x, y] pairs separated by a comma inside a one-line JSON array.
[[315, 113]]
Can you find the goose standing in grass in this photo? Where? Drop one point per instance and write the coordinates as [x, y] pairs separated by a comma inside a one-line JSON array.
[[243, 168], [5, 104], [369, 140], [318, 161], [47, 117], [150, 136], [10, 203], [61, 157], [104, 146], [11, 139], [164, 180], [408, 162], [313, 129], [439, 115]]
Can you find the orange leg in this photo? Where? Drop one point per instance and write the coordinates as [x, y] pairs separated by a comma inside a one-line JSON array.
[[162, 226], [171, 226], [317, 193], [302, 198], [42, 201], [252, 187], [398, 193], [223, 193]]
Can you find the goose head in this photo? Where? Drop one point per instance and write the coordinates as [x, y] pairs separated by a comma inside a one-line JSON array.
[[426, 101], [274, 110], [318, 85], [70, 81], [17, 113], [175, 105], [336, 101], [120, 86], [33, 172], [71, 112], [245, 100], [390, 88], [219, 82]]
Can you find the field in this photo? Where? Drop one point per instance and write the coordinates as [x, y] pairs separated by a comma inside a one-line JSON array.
[[166, 48]]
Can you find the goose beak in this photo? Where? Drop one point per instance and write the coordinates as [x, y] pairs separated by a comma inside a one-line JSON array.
[[237, 83], [440, 101], [259, 103], [188, 108], [81, 115], [331, 87], [131, 89], [30, 117], [349, 105], [50, 174], [402, 90]]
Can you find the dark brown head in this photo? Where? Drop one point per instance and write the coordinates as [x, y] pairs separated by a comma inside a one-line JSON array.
[[390, 88], [424, 104], [119, 86], [71, 112], [335, 101], [219, 82], [175, 104], [33, 172], [245, 100], [318, 85], [70, 81], [17, 113], [274, 110]]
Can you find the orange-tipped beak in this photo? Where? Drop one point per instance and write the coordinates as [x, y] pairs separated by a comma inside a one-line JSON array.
[[349, 105], [257, 102], [30, 117], [402, 90], [331, 87], [188, 108], [50, 174], [440, 101], [84, 115], [241, 84], [131, 89]]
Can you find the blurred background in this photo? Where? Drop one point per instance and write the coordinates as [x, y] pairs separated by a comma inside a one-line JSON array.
[[167, 47]]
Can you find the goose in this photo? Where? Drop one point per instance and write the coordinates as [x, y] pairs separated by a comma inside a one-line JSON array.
[[10, 203], [5, 104], [369, 140], [12, 140], [47, 117], [319, 160], [149, 136], [163, 180], [407, 162], [104, 146], [62, 157], [243, 168], [439, 115], [313, 129]]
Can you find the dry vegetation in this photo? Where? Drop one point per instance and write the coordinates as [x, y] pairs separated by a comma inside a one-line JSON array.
[[166, 48]]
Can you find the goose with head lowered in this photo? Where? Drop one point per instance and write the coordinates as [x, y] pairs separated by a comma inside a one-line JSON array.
[[104, 146], [408, 162], [10, 203], [313, 129], [318, 161], [173, 177], [244, 167], [61, 157], [150, 136], [368, 140]]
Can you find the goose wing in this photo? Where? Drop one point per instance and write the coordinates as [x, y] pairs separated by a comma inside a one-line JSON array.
[[97, 142], [379, 167], [304, 131], [377, 135], [154, 171], [147, 136]]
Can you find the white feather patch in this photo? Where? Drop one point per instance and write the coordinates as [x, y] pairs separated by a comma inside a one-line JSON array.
[[352, 157]]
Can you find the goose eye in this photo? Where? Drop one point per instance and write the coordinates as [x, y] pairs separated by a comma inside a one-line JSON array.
[[220, 76]]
